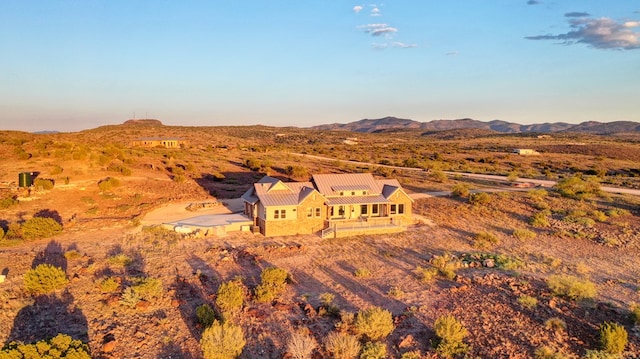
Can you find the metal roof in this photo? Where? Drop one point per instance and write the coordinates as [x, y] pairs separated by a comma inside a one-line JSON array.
[[325, 183], [336, 201]]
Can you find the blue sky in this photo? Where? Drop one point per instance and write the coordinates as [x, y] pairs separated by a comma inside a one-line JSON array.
[[73, 65]]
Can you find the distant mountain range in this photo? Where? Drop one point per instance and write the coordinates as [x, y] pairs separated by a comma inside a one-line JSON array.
[[392, 124]]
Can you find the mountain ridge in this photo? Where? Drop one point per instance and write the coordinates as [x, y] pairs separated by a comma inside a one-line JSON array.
[[390, 122]]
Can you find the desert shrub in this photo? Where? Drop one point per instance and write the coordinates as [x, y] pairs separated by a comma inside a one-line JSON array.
[[147, 288], [273, 281], [556, 324], [572, 287], [107, 184], [129, 297], [373, 351], [438, 176], [120, 260], [72, 254], [635, 312], [512, 176], [577, 187], [506, 262], [395, 292], [613, 338], [460, 190], [414, 354], [222, 341], [599, 354], [599, 216], [8, 201], [109, 285], [14, 231], [1, 233], [342, 346], [205, 315], [230, 298], [327, 307], [43, 184], [40, 227], [446, 265], [616, 212], [450, 333], [301, 346], [538, 193], [485, 240], [296, 171], [546, 352], [56, 170], [528, 301], [375, 323], [60, 346], [540, 219], [362, 273], [346, 322], [179, 178], [114, 167], [523, 234], [44, 279], [480, 199], [426, 274]]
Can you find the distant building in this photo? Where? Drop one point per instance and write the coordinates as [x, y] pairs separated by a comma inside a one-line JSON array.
[[160, 142], [525, 151], [334, 205]]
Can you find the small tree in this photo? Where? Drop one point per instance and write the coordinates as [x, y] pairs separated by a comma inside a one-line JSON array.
[[301, 346], [342, 346], [222, 341], [375, 323], [230, 298], [40, 227], [480, 198], [273, 281], [451, 334], [460, 190], [577, 187], [613, 338], [44, 279], [206, 316]]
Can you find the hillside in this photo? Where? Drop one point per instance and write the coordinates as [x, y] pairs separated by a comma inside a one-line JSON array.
[[389, 122]]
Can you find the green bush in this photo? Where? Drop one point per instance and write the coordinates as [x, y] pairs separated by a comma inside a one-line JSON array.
[[230, 298], [613, 338], [129, 297], [577, 187], [273, 282], [120, 260], [480, 199], [205, 315], [415, 354], [362, 273], [635, 312], [528, 301], [109, 285], [301, 346], [546, 352], [572, 287], [40, 227], [8, 201], [460, 190], [446, 265], [108, 183], [616, 212], [375, 323], [540, 219], [556, 324], [426, 275], [60, 346], [114, 167], [44, 279], [222, 341], [485, 240], [342, 346], [450, 333], [43, 184], [599, 354], [147, 288], [523, 234], [374, 351]]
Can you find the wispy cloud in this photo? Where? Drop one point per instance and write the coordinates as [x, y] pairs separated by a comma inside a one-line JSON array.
[[533, 2], [577, 14], [375, 11], [602, 33], [402, 45], [395, 44], [378, 29], [357, 8], [452, 53]]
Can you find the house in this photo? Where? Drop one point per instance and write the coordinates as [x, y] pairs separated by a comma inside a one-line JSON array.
[[333, 205], [159, 142], [525, 151]]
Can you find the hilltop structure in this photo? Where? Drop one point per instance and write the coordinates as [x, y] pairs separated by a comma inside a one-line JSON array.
[[159, 142], [334, 205]]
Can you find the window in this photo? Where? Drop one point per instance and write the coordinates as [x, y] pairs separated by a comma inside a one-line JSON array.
[[318, 212], [341, 211], [309, 212], [401, 208], [393, 209], [276, 214], [353, 193], [342, 193], [364, 209], [280, 214], [374, 208], [364, 193], [283, 213]]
